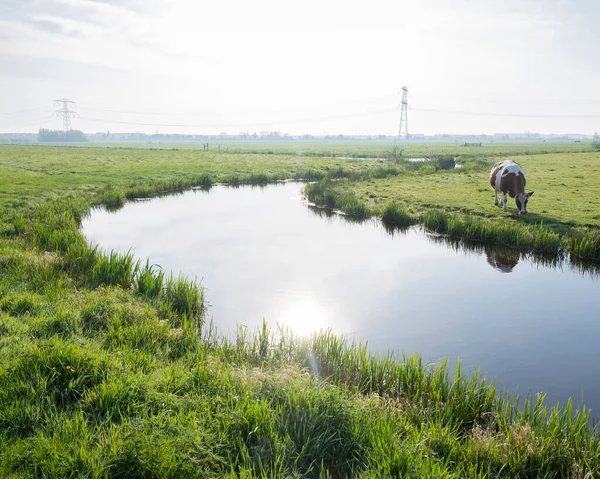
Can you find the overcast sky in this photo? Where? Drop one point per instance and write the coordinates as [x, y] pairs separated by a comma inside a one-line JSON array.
[[310, 66]]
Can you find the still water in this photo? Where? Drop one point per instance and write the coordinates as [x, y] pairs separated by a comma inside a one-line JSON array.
[[265, 253]]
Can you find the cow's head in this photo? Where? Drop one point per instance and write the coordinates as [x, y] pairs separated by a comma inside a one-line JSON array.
[[521, 200]]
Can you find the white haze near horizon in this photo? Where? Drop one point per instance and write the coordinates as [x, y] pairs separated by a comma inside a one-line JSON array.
[[315, 66]]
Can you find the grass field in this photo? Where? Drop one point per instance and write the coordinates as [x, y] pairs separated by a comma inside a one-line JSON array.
[[28, 172], [565, 186], [110, 369]]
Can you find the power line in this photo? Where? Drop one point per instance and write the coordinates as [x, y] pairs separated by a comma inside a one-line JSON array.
[[66, 112], [131, 112], [248, 124], [403, 124], [515, 115]]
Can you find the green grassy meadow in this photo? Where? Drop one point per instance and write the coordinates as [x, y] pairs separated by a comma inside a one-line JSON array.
[[109, 368], [565, 186], [564, 213]]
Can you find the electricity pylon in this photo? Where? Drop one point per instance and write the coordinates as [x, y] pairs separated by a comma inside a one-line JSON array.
[[403, 130], [66, 113]]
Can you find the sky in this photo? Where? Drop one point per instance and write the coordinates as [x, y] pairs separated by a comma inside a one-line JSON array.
[[301, 67]]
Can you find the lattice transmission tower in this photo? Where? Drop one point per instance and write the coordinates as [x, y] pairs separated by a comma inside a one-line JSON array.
[[66, 113], [403, 129]]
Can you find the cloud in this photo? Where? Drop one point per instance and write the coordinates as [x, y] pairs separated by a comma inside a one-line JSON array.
[[133, 5], [81, 11], [31, 67], [52, 26]]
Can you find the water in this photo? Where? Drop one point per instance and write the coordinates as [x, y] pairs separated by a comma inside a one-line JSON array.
[[263, 252]]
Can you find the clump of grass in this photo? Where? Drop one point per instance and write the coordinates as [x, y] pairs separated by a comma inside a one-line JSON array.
[[397, 216], [309, 175], [183, 299], [55, 240], [585, 246], [352, 206], [149, 280], [320, 194], [259, 178], [385, 171], [171, 185], [537, 238], [111, 197], [56, 369], [80, 258], [436, 220], [97, 314], [19, 225], [333, 195], [115, 269], [64, 323], [202, 180], [19, 304]]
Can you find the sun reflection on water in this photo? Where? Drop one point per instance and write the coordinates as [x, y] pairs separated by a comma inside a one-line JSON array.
[[304, 314]]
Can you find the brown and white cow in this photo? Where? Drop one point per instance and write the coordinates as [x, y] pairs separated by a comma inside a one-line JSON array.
[[508, 177]]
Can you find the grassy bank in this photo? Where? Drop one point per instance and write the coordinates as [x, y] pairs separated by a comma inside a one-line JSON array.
[[564, 214], [110, 369]]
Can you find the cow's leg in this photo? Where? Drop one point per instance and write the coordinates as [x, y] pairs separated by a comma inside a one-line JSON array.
[[495, 197], [504, 201]]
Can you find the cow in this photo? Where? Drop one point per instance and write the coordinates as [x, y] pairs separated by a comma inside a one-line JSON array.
[[508, 177]]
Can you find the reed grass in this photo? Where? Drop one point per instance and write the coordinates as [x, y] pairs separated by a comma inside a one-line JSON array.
[[113, 198], [184, 299], [266, 403], [150, 280], [115, 269], [331, 195], [397, 216]]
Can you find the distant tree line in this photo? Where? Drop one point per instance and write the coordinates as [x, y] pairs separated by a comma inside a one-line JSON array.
[[56, 136]]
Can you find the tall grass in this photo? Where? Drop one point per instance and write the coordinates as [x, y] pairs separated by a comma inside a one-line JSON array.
[[150, 280], [115, 269], [156, 188], [394, 215], [476, 229], [113, 198], [331, 195], [585, 246], [264, 404], [184, 299]]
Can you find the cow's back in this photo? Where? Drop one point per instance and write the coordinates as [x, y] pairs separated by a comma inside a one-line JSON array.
[[496, 173]]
